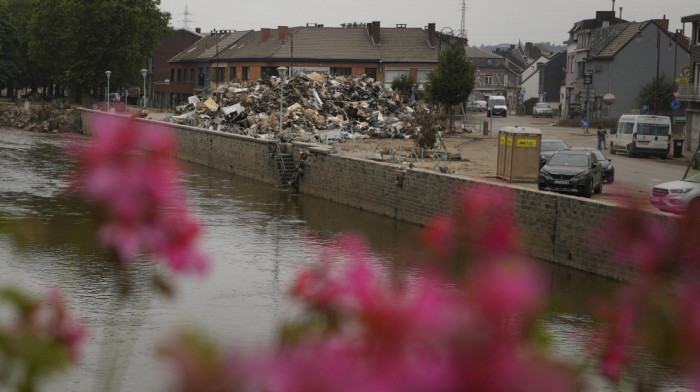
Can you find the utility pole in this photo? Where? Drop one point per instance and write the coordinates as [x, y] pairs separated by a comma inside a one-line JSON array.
[[462, 29]]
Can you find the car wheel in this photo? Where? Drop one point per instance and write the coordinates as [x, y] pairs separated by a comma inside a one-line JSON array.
[[629, 151], [610, 180], [612, 148], [663, 156], [504, 115], [599, 188], [588, 190]]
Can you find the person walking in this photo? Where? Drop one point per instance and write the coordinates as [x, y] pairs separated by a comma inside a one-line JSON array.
[[601, 137]]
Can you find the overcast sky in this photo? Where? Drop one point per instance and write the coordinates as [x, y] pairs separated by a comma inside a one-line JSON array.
[[486, 21]]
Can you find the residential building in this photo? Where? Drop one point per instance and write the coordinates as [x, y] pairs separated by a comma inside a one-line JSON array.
[[632, 59], [379, 52], [618, 58], [170, 45], [542, 79], [494, 76], [688, 89]]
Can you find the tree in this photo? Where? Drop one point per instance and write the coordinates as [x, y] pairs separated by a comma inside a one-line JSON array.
[[661, 102], [404, 84], [454, 79], [94, 37]]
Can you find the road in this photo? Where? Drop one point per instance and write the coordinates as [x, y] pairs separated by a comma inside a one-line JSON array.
[[633, 176]]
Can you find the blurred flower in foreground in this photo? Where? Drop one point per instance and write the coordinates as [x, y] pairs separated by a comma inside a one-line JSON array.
[[660, 309], [466, 324], [130, 173], [41, 338]]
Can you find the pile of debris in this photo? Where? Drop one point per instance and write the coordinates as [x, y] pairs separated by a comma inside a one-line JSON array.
[[45, 117], [315, 107]]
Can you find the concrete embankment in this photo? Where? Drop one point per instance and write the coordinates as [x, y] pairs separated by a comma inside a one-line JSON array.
[[557, 228]]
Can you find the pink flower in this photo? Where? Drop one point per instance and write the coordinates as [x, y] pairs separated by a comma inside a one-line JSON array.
[[129, 172]]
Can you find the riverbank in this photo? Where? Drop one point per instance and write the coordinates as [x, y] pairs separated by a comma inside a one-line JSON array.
[[44, 117]]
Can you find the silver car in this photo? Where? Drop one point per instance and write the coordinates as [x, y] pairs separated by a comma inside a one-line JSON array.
[[677, 196], [542, 110]]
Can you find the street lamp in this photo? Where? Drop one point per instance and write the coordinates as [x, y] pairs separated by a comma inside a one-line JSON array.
[[282, 71], [291, 52], [108, 73], [67, 87], [144, 72], [638, 38]]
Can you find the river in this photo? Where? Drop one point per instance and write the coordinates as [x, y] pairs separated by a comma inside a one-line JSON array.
[[257, 236]]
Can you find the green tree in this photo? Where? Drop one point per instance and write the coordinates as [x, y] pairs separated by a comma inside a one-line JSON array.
[[404, 84], [661, 101], [94, 37], [454, 79], [15, 68]]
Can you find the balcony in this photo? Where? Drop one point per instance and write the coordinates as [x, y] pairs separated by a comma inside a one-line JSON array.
[[688, 92]]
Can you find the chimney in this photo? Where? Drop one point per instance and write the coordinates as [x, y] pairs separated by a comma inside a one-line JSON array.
[[431, 34], [376, 37], [662, 23], [264, 34], [604, 15], [281, 32], [198, 30]]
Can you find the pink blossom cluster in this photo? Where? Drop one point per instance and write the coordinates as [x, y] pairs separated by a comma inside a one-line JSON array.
[[660, 308], [130, 173], [464, 323]]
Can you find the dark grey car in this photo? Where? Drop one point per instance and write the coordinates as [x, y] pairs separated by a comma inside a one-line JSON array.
[[549, 147], [572, 171]]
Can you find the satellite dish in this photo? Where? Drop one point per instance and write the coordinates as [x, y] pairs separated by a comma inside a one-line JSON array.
[[609, 99]]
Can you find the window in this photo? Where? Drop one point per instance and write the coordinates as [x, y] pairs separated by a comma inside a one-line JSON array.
[[179, 75], [371, 72], [172, 75], [219, 74], [489, 62], [232, 73], [338, 71], [191, 75], [246, 73], [488, 80]]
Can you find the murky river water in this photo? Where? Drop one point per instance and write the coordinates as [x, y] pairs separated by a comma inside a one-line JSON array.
[[257, 236]]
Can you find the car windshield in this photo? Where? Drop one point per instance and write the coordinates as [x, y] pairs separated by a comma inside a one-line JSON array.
[[694, 178], [542, 106], [652, 129], [600, 155], [553, 145], [577, 160], [499, 102]]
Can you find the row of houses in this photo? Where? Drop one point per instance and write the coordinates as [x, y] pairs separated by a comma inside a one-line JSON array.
[[606, 62]]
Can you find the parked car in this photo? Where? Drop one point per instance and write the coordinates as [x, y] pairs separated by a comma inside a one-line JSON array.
[[605, 162], [572, 171], [542, 110], [549, 147], [677, 196]]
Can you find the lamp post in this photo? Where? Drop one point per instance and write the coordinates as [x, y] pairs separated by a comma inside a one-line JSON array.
[[144, 72], [282, 71], [67, 87], [291, 51], [108, 73], [639, 37]]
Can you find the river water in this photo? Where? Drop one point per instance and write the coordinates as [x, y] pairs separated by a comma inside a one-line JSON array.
[[257, 236]]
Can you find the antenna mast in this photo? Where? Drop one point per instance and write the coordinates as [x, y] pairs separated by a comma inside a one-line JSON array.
[[186, 19], [462, 31]]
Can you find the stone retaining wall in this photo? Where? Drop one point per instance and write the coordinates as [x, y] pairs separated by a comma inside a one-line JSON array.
[[557, 228]]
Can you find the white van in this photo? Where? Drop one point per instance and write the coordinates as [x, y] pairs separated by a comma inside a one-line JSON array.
[[497, 106], [638, 134]]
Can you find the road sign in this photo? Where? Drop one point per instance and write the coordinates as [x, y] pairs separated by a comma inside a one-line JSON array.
[[544, 95], [568, 96], [685, 71], [683, 79], [675, 104], [521, 96], [584, 123], [645, 109], [588, 78]]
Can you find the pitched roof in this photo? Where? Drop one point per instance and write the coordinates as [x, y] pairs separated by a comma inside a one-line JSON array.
[[335, 43], [476, 53], [205, 48], [621, 39]]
